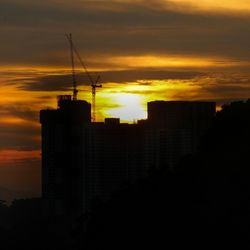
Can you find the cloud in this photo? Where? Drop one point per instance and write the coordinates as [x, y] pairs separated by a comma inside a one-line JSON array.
[[223, 87], [20, 110], [33, 34], [19, 126], [64, 82], [19, 137]]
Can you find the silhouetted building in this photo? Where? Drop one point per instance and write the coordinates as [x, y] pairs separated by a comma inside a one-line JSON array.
[[64, 156], [115, 155], [83, 160], [174, 130]]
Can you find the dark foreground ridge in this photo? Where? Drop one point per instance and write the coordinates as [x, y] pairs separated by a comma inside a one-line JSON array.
[[202, 203]]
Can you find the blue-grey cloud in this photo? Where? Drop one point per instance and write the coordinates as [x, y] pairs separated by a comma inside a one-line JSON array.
[[34, 33], [63, 82]]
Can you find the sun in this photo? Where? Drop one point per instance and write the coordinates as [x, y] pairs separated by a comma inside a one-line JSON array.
[[130, 107]]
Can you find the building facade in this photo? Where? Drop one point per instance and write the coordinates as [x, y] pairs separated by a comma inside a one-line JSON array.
[[174, 129], [64, 156]]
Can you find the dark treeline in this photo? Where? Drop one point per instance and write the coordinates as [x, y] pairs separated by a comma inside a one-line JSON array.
[[22, 226], [201, 204]]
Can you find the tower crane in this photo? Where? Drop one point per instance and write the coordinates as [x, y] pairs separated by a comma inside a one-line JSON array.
[[94, 83], [75, 91]]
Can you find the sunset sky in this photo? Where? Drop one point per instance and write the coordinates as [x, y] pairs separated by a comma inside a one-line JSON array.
[[143, 49]]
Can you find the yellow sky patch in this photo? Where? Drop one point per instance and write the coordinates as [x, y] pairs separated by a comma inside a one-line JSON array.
[[156, 61], [216, 6]]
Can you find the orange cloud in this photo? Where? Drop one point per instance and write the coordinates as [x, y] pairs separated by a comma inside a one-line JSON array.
[[10, 156]]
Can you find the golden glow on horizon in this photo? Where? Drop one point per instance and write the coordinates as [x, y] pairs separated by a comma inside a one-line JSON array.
[[154, 61], [127, 100], [211, 5], [124, 62], [181, 5]]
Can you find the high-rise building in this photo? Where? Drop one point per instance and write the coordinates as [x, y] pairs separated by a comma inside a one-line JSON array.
[[114, 156], [64, 156], [175, 129], [83, 160]]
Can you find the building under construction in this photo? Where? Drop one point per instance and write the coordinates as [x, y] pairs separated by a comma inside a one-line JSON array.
[[84, 160]]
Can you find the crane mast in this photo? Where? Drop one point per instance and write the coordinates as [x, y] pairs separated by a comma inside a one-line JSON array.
[[75, 91], [94, 83], [94, 86]]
